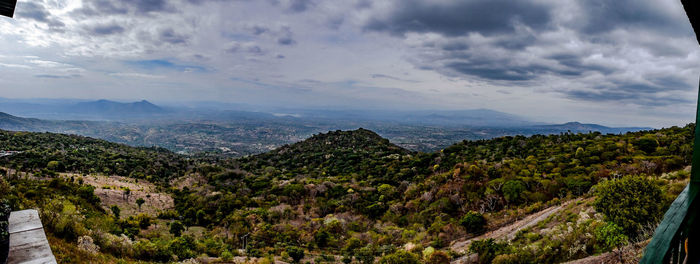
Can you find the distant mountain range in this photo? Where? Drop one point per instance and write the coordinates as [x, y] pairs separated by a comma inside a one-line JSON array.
[[106, 107], [81, 110], [577, 127]]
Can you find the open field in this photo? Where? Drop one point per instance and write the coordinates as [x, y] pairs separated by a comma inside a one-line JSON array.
[[112, 190]]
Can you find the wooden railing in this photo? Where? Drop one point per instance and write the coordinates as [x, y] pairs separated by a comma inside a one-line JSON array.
[[677, 233], [677, 238]]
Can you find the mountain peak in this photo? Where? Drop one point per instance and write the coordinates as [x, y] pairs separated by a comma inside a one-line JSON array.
[[574, 123], [107, 107]]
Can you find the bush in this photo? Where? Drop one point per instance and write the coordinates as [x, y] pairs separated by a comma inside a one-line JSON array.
[[321, 238], [647, 145], [182, 247], [512, 190], [488, 249], [365, 254], [176, 228], [295, 253], [400, 257], [438, 257], [473, 222], [630, 202], [610, 236]]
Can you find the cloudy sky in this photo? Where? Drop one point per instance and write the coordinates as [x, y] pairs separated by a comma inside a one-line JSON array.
[[614, 62]]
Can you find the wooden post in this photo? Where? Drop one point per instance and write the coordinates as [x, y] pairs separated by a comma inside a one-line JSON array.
[[693, 241]]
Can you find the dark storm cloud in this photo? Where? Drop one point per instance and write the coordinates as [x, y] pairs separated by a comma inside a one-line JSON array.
[[299, 5], [363, 4], [604, 15], [33, 11], [625, 97], [487, 17], [285, 37], [38, 12], [169, 35], [294, 6], [258, 29], [52, 76], [120, 7], [334, 22], [574, 62], [281, 34], [285, 41], [505, 68], [384, 76], [108, 29], [524, 43], [670, 82], [645, 92], [250, 48]]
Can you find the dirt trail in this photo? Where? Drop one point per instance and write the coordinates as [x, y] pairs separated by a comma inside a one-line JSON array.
[[507, 232], [604, 258]]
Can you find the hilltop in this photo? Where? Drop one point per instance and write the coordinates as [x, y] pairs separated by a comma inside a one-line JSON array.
[[333, 153], [112, 108]]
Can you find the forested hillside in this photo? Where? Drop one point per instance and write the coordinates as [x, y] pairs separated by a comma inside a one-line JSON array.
[[352, 196], [50, 153]]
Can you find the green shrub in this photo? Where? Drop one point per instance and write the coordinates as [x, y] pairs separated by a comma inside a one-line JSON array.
[[488, 249], [610, 236], [176, 228], [295, 253], [630, 202], [400, 257], [474, 222]]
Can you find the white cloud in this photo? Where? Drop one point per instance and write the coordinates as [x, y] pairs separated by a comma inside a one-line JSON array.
[[363, 53]]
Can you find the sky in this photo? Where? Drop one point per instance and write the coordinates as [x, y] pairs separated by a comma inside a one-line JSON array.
[[614, 62]]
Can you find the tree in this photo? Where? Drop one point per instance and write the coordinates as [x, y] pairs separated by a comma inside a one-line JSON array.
[[115, 210], [400, 257], [365, 254], [629, 202], [176, 228], [512, 190], [144, 221], [352, 244], [126, 194], [321, 238], [612, 236], [647, 145], [140, 202], [295, 253], [473, 222]]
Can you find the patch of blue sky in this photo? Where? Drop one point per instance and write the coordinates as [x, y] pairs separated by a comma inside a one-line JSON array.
[[166, 64]]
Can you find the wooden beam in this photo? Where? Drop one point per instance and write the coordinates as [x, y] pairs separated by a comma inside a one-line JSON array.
[[7, 7], [28, 243], [691, 9]]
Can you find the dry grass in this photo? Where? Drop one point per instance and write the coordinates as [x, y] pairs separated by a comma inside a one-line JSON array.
[[111, 190]]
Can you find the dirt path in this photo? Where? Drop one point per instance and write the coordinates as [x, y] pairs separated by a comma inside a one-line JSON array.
[[507, 232], [604, 258]]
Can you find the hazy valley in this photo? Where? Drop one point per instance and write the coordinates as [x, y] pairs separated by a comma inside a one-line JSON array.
[[238, 133]]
